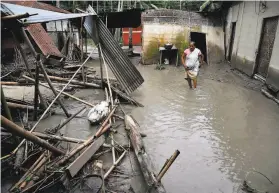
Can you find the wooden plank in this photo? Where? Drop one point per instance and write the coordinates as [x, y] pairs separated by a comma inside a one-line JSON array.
[[74, 167], [145, 162]]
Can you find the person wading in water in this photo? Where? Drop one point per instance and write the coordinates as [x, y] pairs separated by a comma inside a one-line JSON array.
[[194, 58]]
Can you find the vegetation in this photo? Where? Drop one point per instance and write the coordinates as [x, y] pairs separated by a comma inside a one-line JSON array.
[[108, 5], [181, 42]]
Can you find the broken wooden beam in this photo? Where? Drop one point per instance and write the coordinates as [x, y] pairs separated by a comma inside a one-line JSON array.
[[145, 162], [81, 160], [29, 136], [19, 106], [5, 105], [167, 165], [59, 138], [24, 58], [76, 82], [126, 97], [64, 93]]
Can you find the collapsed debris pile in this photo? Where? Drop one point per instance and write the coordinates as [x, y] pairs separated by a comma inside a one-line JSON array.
[[40, 160]]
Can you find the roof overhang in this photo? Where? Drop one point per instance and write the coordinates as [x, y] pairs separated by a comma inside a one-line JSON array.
[[42, 15]]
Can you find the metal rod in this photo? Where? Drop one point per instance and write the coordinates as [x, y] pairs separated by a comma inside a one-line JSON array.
[[28, 135], [167, 166], [5, 105]]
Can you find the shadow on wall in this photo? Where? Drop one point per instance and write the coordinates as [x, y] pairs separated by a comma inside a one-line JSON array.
[[151, 53], [215, 53]]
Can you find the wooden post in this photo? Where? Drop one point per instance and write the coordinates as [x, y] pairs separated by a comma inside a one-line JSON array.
[[5, 105], [52, 88], [36, 93], [130, 38], [37, 57], [145, 162], [167, 165], [81, 42], [28, 135], [43, 103]]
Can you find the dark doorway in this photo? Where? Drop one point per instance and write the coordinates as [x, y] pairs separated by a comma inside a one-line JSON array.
[[231, 41], [200, 40], [266, 45]]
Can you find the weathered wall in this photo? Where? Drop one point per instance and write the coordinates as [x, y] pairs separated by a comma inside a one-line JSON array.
[[174, 26], [249, 21]]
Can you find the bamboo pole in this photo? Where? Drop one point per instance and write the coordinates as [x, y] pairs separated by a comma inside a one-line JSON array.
[[54, 101], [69, 119], [113, 149], [72, 82], [52, 88], [59, 138], [36, 92], [64, 93], [5, 105], [43, 103], [100, 131], [28, 135], [28, 171], [20, 106], [115, 164], [167, 165]]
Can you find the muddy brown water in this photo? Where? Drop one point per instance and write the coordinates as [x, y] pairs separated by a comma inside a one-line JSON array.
[[223, 129]]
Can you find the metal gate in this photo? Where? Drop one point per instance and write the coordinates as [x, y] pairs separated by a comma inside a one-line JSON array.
[[266, 45]]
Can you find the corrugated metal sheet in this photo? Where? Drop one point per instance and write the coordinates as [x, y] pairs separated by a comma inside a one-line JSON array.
[[38, 5], [43, 40], [121, 66], [43, 15]]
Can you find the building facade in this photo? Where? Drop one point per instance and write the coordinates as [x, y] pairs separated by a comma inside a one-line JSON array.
[[179, 28], [252, 39]]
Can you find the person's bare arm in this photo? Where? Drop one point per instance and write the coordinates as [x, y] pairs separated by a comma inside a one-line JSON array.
[[183, 59], [201, 57]]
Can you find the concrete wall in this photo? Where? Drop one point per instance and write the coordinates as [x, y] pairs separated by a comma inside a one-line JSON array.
[[166, 26], [249, 21]]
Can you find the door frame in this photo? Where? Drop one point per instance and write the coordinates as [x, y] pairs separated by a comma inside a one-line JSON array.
[[230, 51], [256, 65], [206, 42]]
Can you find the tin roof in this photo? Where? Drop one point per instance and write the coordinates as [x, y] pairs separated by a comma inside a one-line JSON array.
[[43, 40], [42, 15], [38, 5]]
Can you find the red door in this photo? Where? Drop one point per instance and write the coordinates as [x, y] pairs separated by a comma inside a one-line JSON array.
[[136, 41]]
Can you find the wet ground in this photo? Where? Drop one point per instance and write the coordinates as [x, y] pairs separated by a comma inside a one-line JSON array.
[[223, 129]]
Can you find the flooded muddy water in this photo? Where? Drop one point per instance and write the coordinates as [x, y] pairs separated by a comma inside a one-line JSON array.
[[223, 129]]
